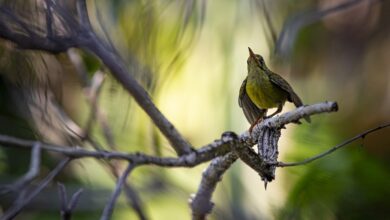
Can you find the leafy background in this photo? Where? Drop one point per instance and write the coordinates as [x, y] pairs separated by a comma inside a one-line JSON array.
[[193, 57]]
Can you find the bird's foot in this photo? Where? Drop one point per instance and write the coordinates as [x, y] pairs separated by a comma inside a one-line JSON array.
[[251, 128], [254, 124]]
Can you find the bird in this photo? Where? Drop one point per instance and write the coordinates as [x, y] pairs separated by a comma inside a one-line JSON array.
[[263, 89]]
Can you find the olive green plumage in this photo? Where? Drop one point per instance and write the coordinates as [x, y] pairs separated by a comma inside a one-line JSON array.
[[251, 111], [263, 89]]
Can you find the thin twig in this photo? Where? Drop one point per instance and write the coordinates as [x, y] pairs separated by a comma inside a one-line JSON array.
[[93, 91], [49, 18], [107, 212], [204, 154], [16, 208], [74, 199], [67, 207], [63, 200], [34, 165], [35, 161], [82, 12], [134, 199], [131, 195], [93, 97], [345, 143]]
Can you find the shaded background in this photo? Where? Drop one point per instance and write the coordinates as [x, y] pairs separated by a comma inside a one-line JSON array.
[[192, 59]]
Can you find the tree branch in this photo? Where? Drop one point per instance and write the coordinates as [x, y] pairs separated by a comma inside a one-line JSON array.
[[200, 203], [83, 36], [224, 151], [266, 134], [110, 205], [136, 203], [343, 144], [206, 153], [21, 203], [33, 171], [217, 148], [67, 207]]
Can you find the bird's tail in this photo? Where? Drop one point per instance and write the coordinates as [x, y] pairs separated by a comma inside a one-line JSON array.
[[298, 102]]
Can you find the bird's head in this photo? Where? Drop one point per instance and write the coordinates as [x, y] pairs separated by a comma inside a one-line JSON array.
[[255, 61]]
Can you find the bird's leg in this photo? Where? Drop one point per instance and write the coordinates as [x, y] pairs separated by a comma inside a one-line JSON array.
[[280, 107], [258, 120]]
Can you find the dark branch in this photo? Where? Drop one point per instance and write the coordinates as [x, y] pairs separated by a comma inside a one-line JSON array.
[[82, 12], [82, 36], [74, 199], [22, 202], [33, 171], [343, 144], [63, 201], [194, 158], [67, 207], [107, 213], [133, 198]]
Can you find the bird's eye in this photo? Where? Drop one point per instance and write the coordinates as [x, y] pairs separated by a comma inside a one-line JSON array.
[[261, 60]]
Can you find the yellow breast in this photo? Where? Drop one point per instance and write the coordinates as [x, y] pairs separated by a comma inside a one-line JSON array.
[[264, 93]]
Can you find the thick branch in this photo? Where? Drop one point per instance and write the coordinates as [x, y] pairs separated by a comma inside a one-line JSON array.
[[267, 133], [119, 71], [200, 203], [217, 148], [293, 116], [83, 36]]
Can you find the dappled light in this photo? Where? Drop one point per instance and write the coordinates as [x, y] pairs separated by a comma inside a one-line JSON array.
[[142, 109]]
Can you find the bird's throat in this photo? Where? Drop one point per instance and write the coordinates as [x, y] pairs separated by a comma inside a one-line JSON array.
[[257, 75]]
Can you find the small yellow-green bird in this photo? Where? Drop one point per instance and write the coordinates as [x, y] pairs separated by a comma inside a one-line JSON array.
[[263, 89]]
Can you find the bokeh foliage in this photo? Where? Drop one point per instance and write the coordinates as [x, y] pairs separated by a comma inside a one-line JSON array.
[[191, 57]]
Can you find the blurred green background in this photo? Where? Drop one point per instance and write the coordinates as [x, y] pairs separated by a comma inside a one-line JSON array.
[[191, 56]]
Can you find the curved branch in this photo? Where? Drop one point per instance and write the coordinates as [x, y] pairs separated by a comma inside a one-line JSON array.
[[83, 36], [200, 203], [343, 144]]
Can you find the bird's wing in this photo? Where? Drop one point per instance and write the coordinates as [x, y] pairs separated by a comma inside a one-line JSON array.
[[251, 111], [283, 84], [292, 96]]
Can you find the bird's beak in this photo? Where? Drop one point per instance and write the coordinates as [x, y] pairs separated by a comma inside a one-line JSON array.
[[251, 54]]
